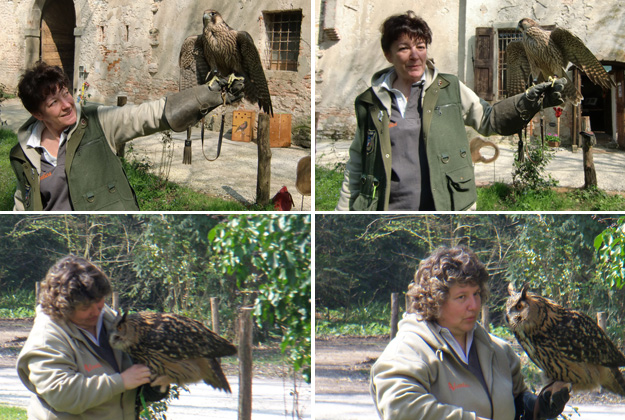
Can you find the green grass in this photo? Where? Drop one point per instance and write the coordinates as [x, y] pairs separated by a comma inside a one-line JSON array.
[[328, 186], [12, 413], [496, 197], [373, 319], [502, 197], [8, 183], [155, 194], [19, 303]]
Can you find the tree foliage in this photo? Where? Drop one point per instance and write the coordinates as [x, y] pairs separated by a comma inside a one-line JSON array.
[[157, 262], [270, 257], [364, 258], [610, 245]]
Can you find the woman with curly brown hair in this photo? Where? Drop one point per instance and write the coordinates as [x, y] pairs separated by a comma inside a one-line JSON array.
[[443, 364], [67, 361]]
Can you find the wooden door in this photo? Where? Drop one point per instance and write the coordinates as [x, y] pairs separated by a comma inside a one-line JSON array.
[[58, 20]]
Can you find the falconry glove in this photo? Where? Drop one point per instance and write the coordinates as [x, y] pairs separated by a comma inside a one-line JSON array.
[[187, 107], [543, 95], [510, 115]]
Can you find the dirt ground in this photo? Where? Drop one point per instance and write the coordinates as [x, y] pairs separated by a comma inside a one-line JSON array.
[[342, 366], [13, 334]]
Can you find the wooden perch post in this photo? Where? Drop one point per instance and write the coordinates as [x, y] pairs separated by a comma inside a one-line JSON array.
[[590, 175], [263, 178]]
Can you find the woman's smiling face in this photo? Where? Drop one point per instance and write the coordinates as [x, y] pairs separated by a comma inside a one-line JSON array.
[[58, 110], [408, 56]]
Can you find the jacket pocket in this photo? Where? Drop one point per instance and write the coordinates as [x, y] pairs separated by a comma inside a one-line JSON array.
[[367, 199], [104, 197], [461, 186]]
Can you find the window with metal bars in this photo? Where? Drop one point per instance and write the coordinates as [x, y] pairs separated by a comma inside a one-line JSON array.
[[283, 35], [504, 37]]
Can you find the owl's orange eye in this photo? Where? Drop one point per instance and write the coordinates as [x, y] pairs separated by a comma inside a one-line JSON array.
[[519, 306]]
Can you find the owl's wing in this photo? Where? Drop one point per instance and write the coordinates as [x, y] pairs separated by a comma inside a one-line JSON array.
[[256, 89], [574, 50], [518, 68], [193, 65], [185, 338], [580, 339]]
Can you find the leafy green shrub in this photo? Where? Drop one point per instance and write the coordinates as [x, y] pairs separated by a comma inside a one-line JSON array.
[[530, 173]]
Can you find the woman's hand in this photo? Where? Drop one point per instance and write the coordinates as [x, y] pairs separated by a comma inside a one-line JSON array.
[[135, 376]]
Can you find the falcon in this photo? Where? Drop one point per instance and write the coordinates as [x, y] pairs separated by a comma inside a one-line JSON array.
[[545, 55], [221, 50]]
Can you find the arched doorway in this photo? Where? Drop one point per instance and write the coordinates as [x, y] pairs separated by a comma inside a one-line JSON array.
[[58, 20]]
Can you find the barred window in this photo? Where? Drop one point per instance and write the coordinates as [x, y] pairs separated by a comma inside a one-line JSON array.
[[283, 35], [504, 37]]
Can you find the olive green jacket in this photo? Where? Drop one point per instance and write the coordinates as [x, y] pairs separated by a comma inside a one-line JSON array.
[[418, 376], [95, 176], [68, 379], [448, 105]]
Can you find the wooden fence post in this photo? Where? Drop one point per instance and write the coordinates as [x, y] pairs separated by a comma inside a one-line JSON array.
[[394, 313], [602, 320], [486, 318], [245, 364], [37, 290], [263, 177], [215, 314], [115, 301]]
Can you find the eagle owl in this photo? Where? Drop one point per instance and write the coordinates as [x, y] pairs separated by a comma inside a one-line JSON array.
[[566, 344], [179, 348], [225, 51]]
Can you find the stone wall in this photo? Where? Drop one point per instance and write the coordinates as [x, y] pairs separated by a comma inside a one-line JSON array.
[[131, 48], [348, 43]]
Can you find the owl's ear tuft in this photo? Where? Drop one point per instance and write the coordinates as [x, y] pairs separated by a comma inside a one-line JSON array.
[[524, 290], [511, 290]]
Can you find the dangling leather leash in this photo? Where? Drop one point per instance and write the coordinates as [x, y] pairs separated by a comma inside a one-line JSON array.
[[221, 136]]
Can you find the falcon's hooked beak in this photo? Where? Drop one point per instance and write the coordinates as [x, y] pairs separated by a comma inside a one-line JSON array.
[[209, 16]]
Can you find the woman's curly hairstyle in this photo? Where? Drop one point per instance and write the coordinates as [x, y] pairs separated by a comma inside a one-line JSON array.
[[436, 274], [70, 283]]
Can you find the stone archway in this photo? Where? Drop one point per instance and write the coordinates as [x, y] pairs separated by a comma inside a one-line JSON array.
[[57, 45]]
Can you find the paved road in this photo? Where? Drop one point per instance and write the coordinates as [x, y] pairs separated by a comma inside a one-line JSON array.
[[566, 166], [271, 399], [360, 407]]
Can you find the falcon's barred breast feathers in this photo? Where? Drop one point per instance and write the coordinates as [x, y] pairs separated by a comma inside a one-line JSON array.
[[224, 51]]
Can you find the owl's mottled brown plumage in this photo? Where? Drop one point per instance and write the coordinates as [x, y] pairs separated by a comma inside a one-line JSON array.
[[225, 51], [177, 347], [566, 344], [544, 54]]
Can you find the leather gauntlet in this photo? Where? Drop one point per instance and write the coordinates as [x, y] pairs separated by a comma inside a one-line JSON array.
[[183, 109]]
